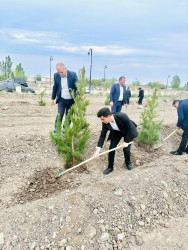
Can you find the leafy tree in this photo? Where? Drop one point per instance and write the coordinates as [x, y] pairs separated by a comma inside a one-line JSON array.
[[155, 84], [175, 84], [6, 67], [19, 71], [136, 83], [72, 139], [186, 86], [38, 78], [99, 82], [150, 131], [2, 77], [96, 83], [82, 73]]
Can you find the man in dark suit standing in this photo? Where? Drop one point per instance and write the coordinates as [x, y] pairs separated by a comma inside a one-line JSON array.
[[120, 126], [141, 96], [64, 83], [128, 94], [118, 95], [182, 109]]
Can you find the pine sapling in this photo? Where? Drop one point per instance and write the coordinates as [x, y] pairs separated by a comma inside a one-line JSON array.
[[107, 101], [150, 130]]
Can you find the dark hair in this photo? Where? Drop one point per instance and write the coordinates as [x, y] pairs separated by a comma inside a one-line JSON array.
[[121, 77], [140, 88], [174, 102], [104, 112]]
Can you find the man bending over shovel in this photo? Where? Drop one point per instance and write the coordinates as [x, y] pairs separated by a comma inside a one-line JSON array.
[[182, 109], [120, 126]]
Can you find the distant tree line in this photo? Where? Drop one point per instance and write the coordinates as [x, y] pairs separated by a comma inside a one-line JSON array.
[[175, 84]]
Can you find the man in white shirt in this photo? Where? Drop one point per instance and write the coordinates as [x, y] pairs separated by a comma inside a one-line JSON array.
[[64, 83], [118, 95]]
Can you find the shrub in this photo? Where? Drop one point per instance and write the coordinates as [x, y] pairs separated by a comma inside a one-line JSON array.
[[107, 101], [41, 102]]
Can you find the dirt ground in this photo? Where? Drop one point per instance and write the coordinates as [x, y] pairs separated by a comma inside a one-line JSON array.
[[146, 208]]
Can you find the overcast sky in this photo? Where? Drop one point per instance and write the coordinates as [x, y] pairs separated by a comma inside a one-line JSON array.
[[141, 39]]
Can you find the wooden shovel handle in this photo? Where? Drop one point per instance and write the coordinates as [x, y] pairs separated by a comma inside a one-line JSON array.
[[105, 152], [170, 135]]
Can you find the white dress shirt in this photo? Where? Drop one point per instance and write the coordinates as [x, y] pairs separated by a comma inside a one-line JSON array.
[[121, 94], [114, 125], [64, 88]]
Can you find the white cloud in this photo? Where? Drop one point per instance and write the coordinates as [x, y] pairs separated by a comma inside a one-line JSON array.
[[27, 36], [109, 50], [103, 50], [64, 48], [22, 38]]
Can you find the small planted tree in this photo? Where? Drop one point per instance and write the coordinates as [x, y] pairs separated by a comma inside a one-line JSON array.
[[150, 131], [107, 101], [41, 102], [72, 139]]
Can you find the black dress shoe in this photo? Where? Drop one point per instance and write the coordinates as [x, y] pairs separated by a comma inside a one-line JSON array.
[[108, 170], [176, 153], [129, 166]]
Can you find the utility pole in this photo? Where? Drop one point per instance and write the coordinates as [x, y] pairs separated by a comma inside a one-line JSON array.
[[167, 81], [51, 59], [90, 54], [105, 67]]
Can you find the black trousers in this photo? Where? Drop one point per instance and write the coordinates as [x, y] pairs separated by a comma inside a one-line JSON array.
[[182, 147], [63, 107], [114, 142], [128, 100], [140, 100]]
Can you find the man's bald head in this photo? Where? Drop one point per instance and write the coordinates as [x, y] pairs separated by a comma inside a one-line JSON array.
[[61, 69]]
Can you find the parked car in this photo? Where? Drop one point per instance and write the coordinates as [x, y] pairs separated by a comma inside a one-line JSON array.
[[11, 86], [21, 81], [93, 90]]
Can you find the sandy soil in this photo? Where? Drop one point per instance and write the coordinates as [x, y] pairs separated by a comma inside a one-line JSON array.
[[145, 208]]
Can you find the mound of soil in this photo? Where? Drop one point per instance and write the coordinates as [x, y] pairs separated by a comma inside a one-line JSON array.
[[46, 183]]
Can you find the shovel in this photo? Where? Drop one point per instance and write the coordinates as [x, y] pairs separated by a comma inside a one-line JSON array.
[[124, 145], [156, 146]]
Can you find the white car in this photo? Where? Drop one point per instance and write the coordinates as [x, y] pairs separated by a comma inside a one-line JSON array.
[[93, 90]]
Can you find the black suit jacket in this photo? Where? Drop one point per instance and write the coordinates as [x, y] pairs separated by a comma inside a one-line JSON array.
[[141, 93], [71, 80], [125, 125]]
